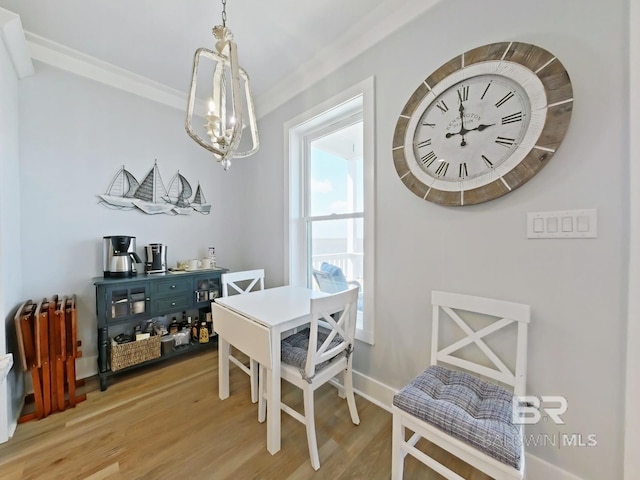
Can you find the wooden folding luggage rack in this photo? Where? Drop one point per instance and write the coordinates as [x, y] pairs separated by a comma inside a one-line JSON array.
[[47, 340]]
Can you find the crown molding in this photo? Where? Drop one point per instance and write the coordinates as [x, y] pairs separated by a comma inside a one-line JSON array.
[[13, 38], [78, 63], [377, 25], [374, 27]]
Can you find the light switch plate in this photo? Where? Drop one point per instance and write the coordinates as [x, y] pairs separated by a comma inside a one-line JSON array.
[[563, 224]]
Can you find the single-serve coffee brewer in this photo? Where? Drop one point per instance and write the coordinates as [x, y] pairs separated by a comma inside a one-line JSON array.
[[156, 261], [119, 256]]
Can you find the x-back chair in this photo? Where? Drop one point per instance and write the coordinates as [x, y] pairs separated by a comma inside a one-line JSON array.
[[240, 283], [471, 417], [313, 356]]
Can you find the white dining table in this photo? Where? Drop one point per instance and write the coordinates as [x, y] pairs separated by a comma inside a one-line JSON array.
[[254, 323]]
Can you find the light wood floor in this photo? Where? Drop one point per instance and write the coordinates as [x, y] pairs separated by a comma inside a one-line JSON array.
[[167, 422]]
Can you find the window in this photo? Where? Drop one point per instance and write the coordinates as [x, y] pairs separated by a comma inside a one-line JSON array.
[[329, 203]]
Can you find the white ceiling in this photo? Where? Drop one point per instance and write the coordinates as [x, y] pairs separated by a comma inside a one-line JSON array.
[[284, 45]]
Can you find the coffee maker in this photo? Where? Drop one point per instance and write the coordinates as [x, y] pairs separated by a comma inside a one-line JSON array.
[[156, 258], [119, 256]]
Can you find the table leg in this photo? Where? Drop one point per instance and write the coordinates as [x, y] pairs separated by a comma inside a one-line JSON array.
[[273, 397], [223, 368]]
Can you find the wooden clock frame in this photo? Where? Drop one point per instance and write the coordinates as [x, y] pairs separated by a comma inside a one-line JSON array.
[[554, 113]]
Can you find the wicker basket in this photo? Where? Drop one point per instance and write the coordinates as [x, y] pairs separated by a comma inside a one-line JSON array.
[[132, 353]]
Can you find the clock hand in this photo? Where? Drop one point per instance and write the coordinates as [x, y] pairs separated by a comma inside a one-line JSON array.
[[462, 129], [481, 127]]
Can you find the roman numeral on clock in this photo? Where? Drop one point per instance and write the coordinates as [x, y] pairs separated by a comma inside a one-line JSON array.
[[423, 143], [505, 141], [463, 170], [485, 90], [427, 124], [442, 106], [463, 93], [487, 162], [428, 159], [514, 117], [501, 102], [441, 171]]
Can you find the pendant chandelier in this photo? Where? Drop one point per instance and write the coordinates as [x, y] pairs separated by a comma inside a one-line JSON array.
[[228, 109]]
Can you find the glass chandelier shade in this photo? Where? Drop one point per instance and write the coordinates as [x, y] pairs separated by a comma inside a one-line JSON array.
[[228, 110]]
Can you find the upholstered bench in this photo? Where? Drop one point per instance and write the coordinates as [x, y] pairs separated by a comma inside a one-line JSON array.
[[465, 407]]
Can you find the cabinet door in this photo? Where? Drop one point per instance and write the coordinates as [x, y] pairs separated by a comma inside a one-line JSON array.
[[207, 288], [127, 301]]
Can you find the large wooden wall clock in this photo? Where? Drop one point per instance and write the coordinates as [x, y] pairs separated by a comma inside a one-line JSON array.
[[483, 124]]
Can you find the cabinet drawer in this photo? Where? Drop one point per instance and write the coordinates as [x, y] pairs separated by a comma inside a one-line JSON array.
[[173, 287], [172, 303]]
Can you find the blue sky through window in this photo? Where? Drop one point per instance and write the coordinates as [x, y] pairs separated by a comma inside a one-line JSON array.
[[329, 177]]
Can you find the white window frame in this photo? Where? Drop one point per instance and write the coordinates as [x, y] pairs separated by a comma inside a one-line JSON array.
[[295, 132]]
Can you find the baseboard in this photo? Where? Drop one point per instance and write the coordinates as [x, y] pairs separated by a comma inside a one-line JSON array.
[[538, 469], [382, 396], [86, 367], [376, 392], [13, 422]]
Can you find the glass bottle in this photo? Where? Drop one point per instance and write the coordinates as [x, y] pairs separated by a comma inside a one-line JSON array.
[[203, 333], [174, 326], [194, 331]]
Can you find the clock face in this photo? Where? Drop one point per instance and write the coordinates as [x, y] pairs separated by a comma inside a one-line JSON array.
[[476, 130], [471, 128]]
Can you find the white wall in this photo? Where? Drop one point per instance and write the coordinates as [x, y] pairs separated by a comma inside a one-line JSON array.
[[577, 288], [74, 136], [632, 415], [11, 391]]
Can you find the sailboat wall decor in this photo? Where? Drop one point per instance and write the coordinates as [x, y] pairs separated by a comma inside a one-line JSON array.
[[120, 192], [151, 197], [199, 203], [178, 195]]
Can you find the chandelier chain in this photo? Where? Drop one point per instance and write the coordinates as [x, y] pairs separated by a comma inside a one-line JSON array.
[[224, 13]]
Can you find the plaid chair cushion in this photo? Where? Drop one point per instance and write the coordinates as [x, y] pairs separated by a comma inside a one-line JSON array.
[[466, 407], [294, 349]]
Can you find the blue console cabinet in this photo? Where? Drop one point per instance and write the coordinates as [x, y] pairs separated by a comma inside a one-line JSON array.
[[122, 303]]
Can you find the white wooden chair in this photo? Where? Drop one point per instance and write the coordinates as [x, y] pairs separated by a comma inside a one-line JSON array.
[[470, 417], [313, 356], [235, 283]]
